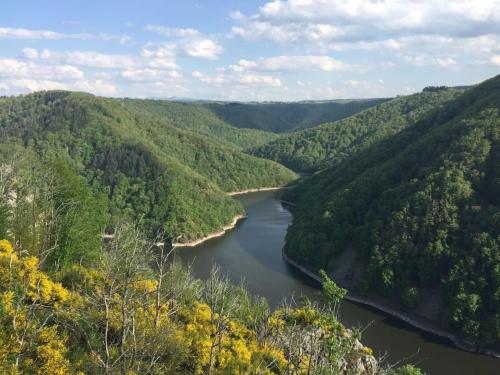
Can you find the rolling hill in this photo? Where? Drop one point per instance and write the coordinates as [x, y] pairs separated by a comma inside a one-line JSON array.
[[416, 214], [330, 143], [172, 180], [288, 116]]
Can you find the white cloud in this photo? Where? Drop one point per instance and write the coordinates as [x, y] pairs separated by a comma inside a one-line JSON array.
[[89, 59], [26, 76], [120, 38], [202, 48], [149, 75], [26, 85], [19, 33], [358, 17], [161, 57], [424, 60], [383, 25], [30, 53], [237, 79], [15, 68], [187, 42], [291, 63], [258, 79], [173, 31], [444, 63], [197, 74], [198, 48], [496, 60]]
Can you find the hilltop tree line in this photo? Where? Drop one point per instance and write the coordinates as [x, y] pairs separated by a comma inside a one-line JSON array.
[[331, 143]]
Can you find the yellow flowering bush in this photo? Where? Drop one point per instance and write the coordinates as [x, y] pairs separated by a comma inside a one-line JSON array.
[[147, 286], [27, 341], [240, 352], [306, 316], [183, 337], [50, 352], [6, 247]]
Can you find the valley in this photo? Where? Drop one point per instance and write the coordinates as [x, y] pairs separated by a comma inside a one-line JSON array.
[[396, 199]]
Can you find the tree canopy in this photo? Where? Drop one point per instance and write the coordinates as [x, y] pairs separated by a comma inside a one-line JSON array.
[[421, 209]]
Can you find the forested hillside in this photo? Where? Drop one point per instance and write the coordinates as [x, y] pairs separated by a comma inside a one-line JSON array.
[[72, 303], [420, 210], [331, 143], [287, 117], [197, 118], [171, 180]]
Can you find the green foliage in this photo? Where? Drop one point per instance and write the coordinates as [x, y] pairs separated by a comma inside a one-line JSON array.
[[331, 290], [49, 210], [286, 117], [199, 119], [410, 297], [406, 370], [82, 215], [170, 179], [421, 209], [331, 143]]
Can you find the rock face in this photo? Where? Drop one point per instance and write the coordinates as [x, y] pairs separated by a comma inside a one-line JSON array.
[[336, 351], [359, 361]]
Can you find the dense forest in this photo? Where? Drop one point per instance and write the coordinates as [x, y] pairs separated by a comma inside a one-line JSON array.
[[171, 180], [198, 118], [330, 143], [287, 117], [420, 211]]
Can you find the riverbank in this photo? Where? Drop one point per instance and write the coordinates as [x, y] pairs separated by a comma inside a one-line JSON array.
[[232, 193], [421, 324], [233, 223], [219, 233]]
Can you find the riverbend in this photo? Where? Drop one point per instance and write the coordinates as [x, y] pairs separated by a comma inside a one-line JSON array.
[[252, 252]]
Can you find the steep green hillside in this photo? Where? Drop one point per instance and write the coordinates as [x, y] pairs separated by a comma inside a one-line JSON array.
[[421, 211], [286, 117], [330, 143], [197, 118], [170, 179]]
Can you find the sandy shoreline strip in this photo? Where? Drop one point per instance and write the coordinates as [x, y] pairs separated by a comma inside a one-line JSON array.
[[219, 233], [255, 190], [398, 314]]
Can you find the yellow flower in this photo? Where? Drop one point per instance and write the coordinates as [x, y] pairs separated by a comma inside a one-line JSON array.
[[59, 293], [30, 264], [367, 350], [148, 286], [6, 247], [7, 302], [51, 353]]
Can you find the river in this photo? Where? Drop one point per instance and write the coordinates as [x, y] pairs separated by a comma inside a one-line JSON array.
[[252, 252]]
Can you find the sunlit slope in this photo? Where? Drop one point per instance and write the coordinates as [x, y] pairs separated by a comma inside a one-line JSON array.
[[330, 143], [171, 179], [421, 210]]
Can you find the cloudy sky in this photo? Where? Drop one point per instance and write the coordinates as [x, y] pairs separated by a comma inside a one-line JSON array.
[[246, 49]]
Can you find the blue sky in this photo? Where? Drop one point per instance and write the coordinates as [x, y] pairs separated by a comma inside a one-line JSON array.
[[245, 49]]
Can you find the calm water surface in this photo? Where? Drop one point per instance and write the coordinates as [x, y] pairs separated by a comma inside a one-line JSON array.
[[252, 252]]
